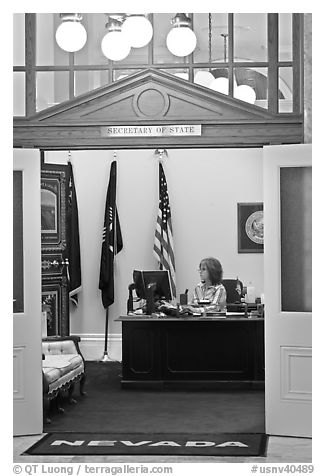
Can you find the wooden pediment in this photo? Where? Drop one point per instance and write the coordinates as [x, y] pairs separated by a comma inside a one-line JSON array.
[[151, 95]]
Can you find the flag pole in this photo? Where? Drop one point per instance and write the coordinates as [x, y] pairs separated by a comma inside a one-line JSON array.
[[105, 358], [112, 243]]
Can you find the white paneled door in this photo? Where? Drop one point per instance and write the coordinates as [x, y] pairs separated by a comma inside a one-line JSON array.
[[287, 280], [27, 350]]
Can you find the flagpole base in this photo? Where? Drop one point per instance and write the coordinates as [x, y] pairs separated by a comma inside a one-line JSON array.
[[106, 358]]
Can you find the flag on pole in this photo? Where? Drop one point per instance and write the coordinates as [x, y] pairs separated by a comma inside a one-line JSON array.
[[163, 244], [112, 242], [73, 244]]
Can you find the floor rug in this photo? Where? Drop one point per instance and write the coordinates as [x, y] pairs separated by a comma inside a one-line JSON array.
[[191, 444], [108, 408]]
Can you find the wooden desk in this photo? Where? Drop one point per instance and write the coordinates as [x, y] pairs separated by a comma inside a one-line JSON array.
[[158, 352]]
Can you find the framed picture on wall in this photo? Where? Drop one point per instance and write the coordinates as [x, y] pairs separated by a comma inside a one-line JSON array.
[[250, 227]]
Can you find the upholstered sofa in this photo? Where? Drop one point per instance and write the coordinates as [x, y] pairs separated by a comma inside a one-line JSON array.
[[63, 365]]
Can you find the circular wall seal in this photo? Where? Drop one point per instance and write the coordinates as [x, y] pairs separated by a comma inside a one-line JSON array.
[[151, 102], [254, 227]]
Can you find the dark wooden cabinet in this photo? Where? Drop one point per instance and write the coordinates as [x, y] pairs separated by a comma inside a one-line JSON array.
[[55, 298], [162, 352]]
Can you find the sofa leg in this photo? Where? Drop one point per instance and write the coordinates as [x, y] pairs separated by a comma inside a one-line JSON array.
[[82, 384], [58, 402], [70, 392]]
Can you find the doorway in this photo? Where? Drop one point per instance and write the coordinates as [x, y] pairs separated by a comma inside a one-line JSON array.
[[204, 188]]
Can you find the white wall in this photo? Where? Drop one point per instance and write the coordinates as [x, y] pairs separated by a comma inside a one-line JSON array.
[[204, 187]]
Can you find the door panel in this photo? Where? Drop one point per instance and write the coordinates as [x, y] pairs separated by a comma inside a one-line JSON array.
[[287, 254], [27, 350], [296, 218]]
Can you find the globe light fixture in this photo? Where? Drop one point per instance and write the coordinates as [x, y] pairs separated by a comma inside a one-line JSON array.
[[242, 92], [245, 93], [138, 30], [204, 78], [181, 40], [115, 45], [220, 84], [71, 35]]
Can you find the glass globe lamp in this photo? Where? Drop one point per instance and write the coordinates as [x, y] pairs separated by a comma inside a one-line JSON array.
[[204, 78], [221, 85], [138, 30], [181, 40], [71, 35], [245, 93], [115, 45]]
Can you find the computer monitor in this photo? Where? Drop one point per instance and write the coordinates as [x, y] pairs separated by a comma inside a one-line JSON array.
[[157, 280]]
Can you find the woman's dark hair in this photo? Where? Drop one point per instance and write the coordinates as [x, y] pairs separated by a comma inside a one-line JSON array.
[[214, 269]]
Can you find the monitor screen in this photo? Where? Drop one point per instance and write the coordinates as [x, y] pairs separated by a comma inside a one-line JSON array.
[[160, 278]]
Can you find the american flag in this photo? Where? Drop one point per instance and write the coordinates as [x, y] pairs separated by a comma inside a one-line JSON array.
[[163, 244]]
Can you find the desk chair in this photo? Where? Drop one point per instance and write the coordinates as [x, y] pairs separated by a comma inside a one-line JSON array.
[[232, 288]]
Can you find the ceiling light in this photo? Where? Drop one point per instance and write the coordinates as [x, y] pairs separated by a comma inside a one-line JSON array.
[[220, 84], [245, 93], [181, 40], [138, 30], [115, 45], [204, 78], [71, 35]]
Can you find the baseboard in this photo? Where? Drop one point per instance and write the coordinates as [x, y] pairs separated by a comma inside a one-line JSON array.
[[92, 346]]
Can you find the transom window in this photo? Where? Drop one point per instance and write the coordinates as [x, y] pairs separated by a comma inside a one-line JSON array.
[[252, 57]]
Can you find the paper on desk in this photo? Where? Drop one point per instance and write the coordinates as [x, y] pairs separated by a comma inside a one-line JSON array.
[[235, 314]]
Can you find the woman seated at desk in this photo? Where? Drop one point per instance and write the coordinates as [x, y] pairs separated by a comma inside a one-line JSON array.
[[209, 289]]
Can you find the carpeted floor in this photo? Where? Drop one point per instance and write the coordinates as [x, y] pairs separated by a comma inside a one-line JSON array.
[[109, 408]]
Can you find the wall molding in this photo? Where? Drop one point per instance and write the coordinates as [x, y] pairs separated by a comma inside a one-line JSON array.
[[92, 346]]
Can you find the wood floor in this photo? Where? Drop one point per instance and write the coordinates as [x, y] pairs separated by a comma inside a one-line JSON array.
[[280, 450]]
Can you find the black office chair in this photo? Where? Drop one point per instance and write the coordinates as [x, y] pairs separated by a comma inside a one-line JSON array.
[[234, 288]]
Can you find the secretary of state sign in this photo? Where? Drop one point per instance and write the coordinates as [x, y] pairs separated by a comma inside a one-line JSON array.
[[154, 131]]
